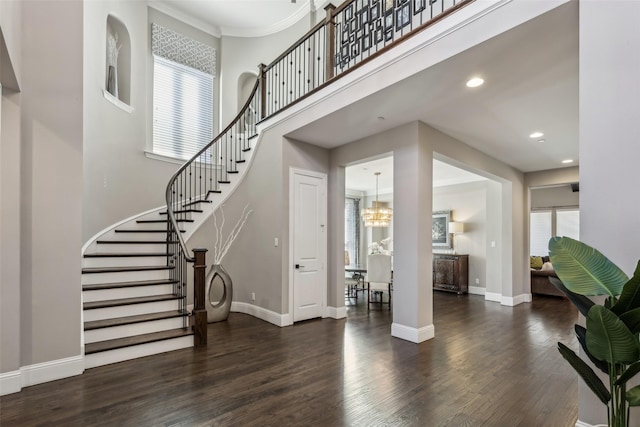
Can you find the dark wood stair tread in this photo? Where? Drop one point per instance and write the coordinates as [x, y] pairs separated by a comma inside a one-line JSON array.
[[244, 150], [240, 161], [196, 202], [233, 171], [119, 285], [97, 347], [162, 221], [92, 270], [215, 191], [125, 254], [128, 301], [129, 230], [224, 182], [183, 211], [129, 320], [146, 242]]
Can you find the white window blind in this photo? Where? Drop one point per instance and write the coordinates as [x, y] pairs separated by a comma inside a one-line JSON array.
[[182, 109], [540, 233], [568, 223]]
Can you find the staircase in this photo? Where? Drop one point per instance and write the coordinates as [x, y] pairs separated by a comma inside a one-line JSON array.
[[131, 305]]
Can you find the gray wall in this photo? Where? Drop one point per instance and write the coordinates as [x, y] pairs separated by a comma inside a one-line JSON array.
[[119, 180], [468, 205], [556, 196], [609, 151], [254, 263], [49, 177]]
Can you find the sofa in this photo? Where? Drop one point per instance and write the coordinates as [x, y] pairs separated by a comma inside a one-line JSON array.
[[540, 274]]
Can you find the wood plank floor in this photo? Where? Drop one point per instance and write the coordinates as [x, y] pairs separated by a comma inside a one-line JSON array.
[[489, 365]]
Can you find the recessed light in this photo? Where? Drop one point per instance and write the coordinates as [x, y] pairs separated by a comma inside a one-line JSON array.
[[567, 161], [475, 82], [536, 135]]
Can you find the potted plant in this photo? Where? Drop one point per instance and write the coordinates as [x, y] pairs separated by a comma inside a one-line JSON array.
[[610, 339]]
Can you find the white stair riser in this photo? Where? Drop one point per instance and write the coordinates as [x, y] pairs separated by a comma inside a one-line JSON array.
[[134, 352], [114, 332], [124, 276], [130, 310], [134, 291], [139, 236], [114, 248], [123, 261]]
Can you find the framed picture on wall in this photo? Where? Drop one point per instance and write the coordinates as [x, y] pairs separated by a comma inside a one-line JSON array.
[[440, 230]]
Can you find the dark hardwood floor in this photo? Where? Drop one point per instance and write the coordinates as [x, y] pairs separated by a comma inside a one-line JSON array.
[[489, 365]]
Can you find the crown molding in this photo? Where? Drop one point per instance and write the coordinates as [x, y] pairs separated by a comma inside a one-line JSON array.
[[270, 29], [199, 24]]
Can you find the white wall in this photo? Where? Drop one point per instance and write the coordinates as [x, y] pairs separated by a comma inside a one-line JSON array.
[[556, 196], [468, 205], [609, 150]]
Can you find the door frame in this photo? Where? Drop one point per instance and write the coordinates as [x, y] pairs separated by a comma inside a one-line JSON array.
[[323, 176]]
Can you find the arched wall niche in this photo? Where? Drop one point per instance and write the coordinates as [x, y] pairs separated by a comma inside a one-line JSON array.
[[118, 60]]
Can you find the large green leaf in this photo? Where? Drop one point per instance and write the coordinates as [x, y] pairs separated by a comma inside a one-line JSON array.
[[582, 303], [630, 296], [628, 374], [586, 373], [633, 396], [632, 320], [608, 338], [581, 334], [583, 269]]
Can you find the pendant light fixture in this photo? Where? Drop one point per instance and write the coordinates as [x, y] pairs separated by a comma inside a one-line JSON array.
[[377, 216]]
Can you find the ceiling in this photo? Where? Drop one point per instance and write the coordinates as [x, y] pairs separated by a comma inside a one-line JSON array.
[[242, 18], [531, 84], [530, 73]]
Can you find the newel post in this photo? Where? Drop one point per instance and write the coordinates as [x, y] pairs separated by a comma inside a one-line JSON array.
[[199, 310], [330, 49], [263, 91]]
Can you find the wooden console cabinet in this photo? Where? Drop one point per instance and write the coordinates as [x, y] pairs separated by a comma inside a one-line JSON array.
[[451, 273]]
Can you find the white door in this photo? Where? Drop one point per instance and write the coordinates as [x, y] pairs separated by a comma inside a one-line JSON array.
[[309, 243]]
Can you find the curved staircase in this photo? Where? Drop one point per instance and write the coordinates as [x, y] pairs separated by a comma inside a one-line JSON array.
[[132, 305]]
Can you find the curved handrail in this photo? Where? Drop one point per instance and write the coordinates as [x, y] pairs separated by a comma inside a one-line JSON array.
[[173, 223]]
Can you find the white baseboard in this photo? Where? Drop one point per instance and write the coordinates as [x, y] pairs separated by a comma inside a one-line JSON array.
[[10, 382], [492, 296], [336, 312], [408, 333], [477, 290], [262, 313], [14, 381], [513, 301]]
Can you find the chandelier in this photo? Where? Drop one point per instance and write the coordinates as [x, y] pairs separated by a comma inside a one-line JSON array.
[[377, 216]]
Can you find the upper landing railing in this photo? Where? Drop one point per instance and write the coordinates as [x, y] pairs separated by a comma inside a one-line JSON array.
[[350, 35]]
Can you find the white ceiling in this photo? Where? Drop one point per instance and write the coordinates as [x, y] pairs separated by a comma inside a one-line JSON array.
[[361, 177], [243, 18], [531, 84]]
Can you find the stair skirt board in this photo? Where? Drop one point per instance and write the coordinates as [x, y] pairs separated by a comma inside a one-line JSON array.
[[127, 353], [114, 332], [124, 276], [130, 292], [130, 261], [129, 310]]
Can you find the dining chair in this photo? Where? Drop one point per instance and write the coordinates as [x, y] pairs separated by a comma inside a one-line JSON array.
[[379, 278]]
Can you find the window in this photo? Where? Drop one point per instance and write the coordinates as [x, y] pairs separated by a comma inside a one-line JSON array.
[[182, 109], [544, 224], [183, 73], [540, 232], [352, 230]]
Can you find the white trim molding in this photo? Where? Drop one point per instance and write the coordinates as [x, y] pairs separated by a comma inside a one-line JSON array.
[[517, 300], [14, 381], [261, 313], [583, 424], [477, 290], [492, 296], [10, 382], [415, 335], [336, 312]]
